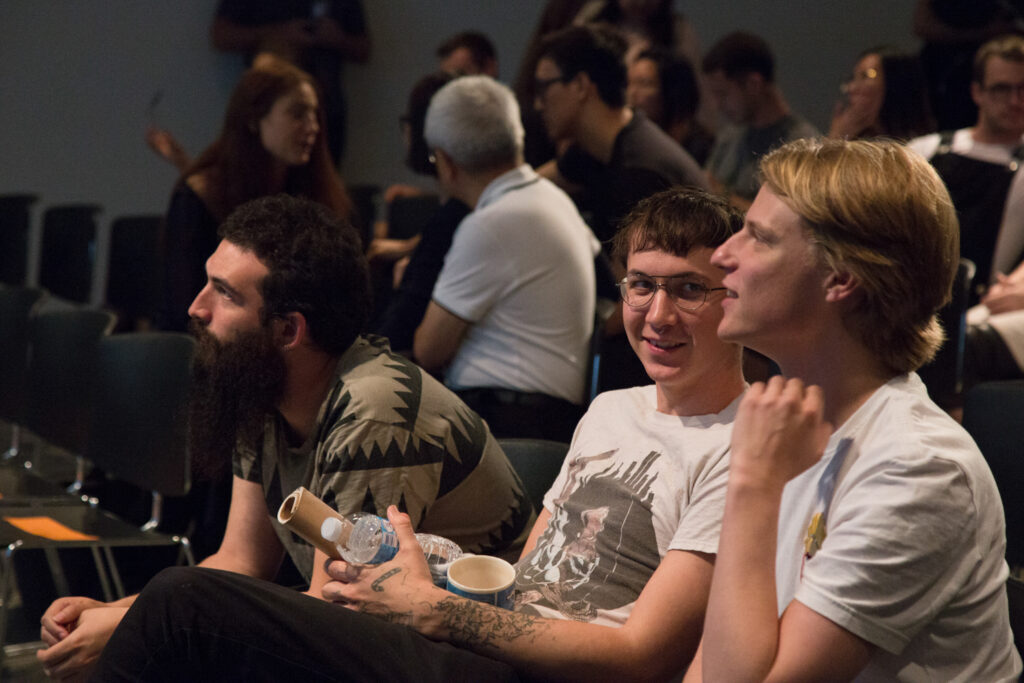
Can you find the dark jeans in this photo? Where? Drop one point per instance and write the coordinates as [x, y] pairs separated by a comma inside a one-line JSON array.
[[194, 624], [522, 415]]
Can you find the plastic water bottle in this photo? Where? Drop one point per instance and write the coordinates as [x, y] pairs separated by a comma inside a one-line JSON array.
[[361, 538]]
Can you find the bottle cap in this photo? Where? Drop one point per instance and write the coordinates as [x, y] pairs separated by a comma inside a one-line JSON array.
[[331, 528]]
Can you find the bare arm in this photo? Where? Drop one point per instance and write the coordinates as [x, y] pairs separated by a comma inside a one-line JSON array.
[[779, 432], [538, 528], [438, 337], [250, 545], [657, 640], [76, 629]]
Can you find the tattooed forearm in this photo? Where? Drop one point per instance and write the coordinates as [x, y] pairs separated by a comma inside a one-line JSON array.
[[387, 614], [376, 585], [474, 624]]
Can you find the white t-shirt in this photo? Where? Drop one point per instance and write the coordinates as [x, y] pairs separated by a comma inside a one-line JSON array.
[[912, 558], [521, 270], [1010, 242], [635, 484]]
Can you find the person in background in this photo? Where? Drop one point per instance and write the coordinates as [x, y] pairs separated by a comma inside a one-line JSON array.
[[318, 36], [951, 32], [511, 314], [885, 95], [981, 166], [467, 54], [665, 89], [272, 141], [739, 72], [419, 271], [612, 156], [557, 14]]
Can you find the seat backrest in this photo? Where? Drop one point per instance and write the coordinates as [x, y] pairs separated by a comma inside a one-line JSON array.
[[62, 349], [15, 220], [537, 462], [603, 310], [944, 374], [994, 417], [68, 251], [133, 276], [15, 306], [140, 416]]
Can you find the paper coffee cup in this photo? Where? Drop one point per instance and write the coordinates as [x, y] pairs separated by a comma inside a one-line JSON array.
[[483, 578]]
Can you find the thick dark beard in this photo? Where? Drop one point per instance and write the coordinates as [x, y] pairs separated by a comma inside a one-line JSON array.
[[235, 386]]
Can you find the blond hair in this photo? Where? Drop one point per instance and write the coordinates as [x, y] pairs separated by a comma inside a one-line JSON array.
[[880, 212]]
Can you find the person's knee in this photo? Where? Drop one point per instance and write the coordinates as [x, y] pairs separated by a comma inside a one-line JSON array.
[[174, 583]]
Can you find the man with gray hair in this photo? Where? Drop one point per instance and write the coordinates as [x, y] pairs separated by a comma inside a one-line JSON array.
[[512, 311]]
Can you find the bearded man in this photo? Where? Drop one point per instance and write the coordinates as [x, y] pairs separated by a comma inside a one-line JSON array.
[[287, 390]]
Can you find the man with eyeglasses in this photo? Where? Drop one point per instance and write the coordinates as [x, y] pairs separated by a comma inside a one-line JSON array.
[[612, 155], [614, 580], [981, 168]]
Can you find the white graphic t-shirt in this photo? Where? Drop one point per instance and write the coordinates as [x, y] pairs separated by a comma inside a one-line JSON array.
[[635, 484]]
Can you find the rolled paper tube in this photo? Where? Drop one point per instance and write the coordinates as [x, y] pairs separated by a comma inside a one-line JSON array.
[[304, 513]]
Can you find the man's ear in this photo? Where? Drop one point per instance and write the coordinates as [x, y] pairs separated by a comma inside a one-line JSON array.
[[446, 170], [840, 285], [581, 86], [976, 92], [289, 330]]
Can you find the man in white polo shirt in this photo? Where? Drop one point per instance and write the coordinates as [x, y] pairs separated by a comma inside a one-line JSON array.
[[513, 308]]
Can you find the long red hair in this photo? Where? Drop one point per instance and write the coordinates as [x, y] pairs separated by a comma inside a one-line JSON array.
[[236, 165]]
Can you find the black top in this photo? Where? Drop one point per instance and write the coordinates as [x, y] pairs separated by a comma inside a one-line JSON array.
[[409, 303], [645, 160]]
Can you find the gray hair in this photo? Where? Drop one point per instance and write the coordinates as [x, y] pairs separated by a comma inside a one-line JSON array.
[[475, 120]]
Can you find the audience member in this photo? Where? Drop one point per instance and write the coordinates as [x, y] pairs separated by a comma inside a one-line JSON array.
[[512, 311], [289, 392], [739, 73], [980, 164], [885, 95], [557, 14], [665, 89], [271, 142], [614, 581], [468, 54], [952, 31], [615, 156], [863, 535], [409, 302], [318, 36]]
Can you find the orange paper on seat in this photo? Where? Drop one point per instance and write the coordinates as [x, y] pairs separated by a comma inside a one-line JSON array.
[[48, 527]]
